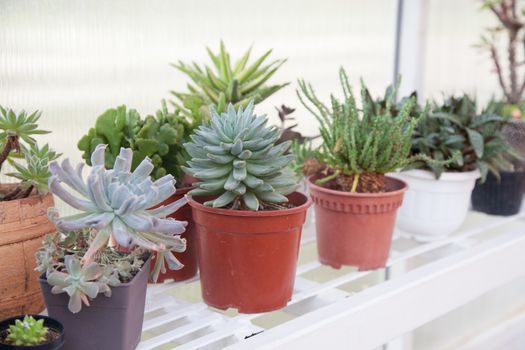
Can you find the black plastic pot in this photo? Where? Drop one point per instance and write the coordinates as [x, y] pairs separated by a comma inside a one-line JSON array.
[[499, 197], [48, 322], [113, 323]]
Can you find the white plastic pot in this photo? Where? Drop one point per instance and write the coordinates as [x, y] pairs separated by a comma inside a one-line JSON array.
[[432, 209]]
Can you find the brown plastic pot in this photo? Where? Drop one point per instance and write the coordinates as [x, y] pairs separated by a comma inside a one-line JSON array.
[[247, 259], [355, 228], [108, 323], [23, 224], [189, 257]]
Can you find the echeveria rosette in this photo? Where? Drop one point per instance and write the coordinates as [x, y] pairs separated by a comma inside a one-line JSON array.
[[80, 282], [236, 159], [117, 204]]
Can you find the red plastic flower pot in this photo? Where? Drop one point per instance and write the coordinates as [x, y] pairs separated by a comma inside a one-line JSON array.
[[189, 257], [247, 259], [355, 228]]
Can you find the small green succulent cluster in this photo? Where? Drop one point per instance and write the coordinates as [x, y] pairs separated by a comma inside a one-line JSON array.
[[17, 141], [60, 256], [454, 129], [236, 158], [158, 137], [226, 83], [360, 146], [34, 172], [27, 332]]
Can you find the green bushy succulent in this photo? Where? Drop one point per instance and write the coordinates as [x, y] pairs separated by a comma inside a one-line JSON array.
[[224, 83], [115, 127], [236, 159], [158, 137], [455, 129], [360, 146], [27, 332]]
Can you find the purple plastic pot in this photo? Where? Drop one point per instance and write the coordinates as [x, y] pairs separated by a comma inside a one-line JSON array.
[[113, 323]]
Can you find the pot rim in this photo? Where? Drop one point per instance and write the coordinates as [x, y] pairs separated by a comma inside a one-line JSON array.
[[445, 176], [249, 213], [361, 195], [12, 185]]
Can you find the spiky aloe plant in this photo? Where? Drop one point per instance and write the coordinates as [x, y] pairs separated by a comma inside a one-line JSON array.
[[117, 204], [225, 83], [27, 332], [17, 141], [360, 146], [236, 158]]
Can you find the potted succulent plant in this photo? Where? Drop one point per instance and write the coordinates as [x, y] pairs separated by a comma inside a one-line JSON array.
[[225, 83], [159, 137], [248, 216], [498, 194], [104, 249], [355, 203], [23, 207], [31, 332], [439, 196]]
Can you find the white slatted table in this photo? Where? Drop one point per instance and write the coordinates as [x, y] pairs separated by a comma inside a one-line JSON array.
[[357, 310]]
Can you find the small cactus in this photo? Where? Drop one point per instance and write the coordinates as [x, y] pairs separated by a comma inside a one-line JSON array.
[[27, 332]]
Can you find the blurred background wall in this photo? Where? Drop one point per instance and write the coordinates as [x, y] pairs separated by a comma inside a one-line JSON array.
[[73, 59]]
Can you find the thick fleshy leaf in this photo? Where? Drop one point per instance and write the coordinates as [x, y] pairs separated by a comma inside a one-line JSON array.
[[75, 303], [58, 279], [98, 157]]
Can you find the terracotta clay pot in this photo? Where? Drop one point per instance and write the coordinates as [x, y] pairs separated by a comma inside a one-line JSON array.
[[355, 228], [50, 323], [247, 259], [189, 256], [23, 223], [108, 323]]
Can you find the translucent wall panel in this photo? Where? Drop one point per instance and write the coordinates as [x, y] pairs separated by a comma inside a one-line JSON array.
[[452, 64], [73, 58]]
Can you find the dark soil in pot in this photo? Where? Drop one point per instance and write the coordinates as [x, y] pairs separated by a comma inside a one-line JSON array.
[[247, 259], [113, 323], [499, 197], [54, 338], [189, 256], [355, 228]]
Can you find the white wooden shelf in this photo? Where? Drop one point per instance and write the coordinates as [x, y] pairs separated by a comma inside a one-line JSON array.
[[351, 309]]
